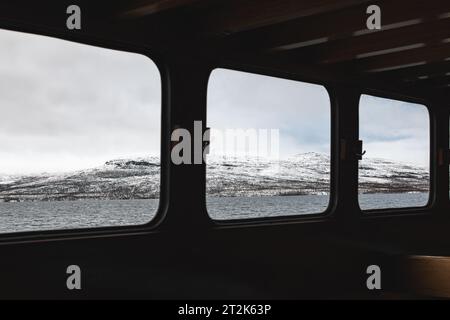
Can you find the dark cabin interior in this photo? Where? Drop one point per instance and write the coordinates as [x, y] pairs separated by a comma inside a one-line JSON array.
[[183, 254]]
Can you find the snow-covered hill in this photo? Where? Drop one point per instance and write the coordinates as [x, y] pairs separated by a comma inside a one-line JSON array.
[[139, 179], [308, 173], [117, 179]]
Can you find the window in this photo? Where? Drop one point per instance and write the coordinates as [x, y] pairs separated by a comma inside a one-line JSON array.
[[270, 147], [79, 135], [394, 173]]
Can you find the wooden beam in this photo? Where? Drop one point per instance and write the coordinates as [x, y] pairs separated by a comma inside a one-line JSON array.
[[235, 16], [396, 60], [321, 73], [147, 8], [427, 82], [382, 42], [338, 24], [431, 70], [373, 44], [425, 78]]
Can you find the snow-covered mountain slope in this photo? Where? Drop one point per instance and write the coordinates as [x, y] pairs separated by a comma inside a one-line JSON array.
[[307, 173], [303, 174], [384, 176], [117, 179], [139, 179]]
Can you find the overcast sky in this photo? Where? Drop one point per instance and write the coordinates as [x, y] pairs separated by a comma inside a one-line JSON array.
[[390, 129], [66, 106], [299, 110], [395, 130]]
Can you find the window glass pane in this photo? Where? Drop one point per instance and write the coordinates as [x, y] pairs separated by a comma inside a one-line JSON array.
[[270, 146], [394, 173], [79, 135]]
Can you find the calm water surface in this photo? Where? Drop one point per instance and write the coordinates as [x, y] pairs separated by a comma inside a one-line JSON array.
[[32, 216]]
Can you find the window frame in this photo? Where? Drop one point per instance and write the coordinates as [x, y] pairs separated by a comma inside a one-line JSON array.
[[160, 59], [405, 211], [98, 232], [298, 218]]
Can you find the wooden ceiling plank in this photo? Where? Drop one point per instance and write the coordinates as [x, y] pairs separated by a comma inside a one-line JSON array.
[[401, 38], [427, 82], [431, 69], [425, 54], [330, 25], [244, 15], [148, 8]]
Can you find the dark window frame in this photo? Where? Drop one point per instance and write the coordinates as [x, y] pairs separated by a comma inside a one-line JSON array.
[[160, 62], [423, 210], [313, 217]]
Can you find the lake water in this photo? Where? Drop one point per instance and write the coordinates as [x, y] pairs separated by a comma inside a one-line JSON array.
[[56, 215], [257, 207]]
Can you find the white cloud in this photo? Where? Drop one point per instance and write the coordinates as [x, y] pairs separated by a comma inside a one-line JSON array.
[[299, 110], [67, 106], [395, 130]]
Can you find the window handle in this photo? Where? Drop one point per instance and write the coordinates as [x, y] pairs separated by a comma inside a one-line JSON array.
[[349, 150], [359, 152], [207, 140], [360, 155]]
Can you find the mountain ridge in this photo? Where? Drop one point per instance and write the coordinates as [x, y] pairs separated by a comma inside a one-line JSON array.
[[138, 178]]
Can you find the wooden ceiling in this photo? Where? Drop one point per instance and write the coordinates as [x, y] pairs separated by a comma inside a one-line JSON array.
[[410, 53], [324, 38]]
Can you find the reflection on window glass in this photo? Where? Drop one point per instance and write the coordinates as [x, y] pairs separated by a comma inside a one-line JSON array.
[[270, 147], [79, 135], [394, 173]]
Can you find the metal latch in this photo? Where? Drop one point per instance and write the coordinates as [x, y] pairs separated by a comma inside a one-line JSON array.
[[359, 150], [351, 150]]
